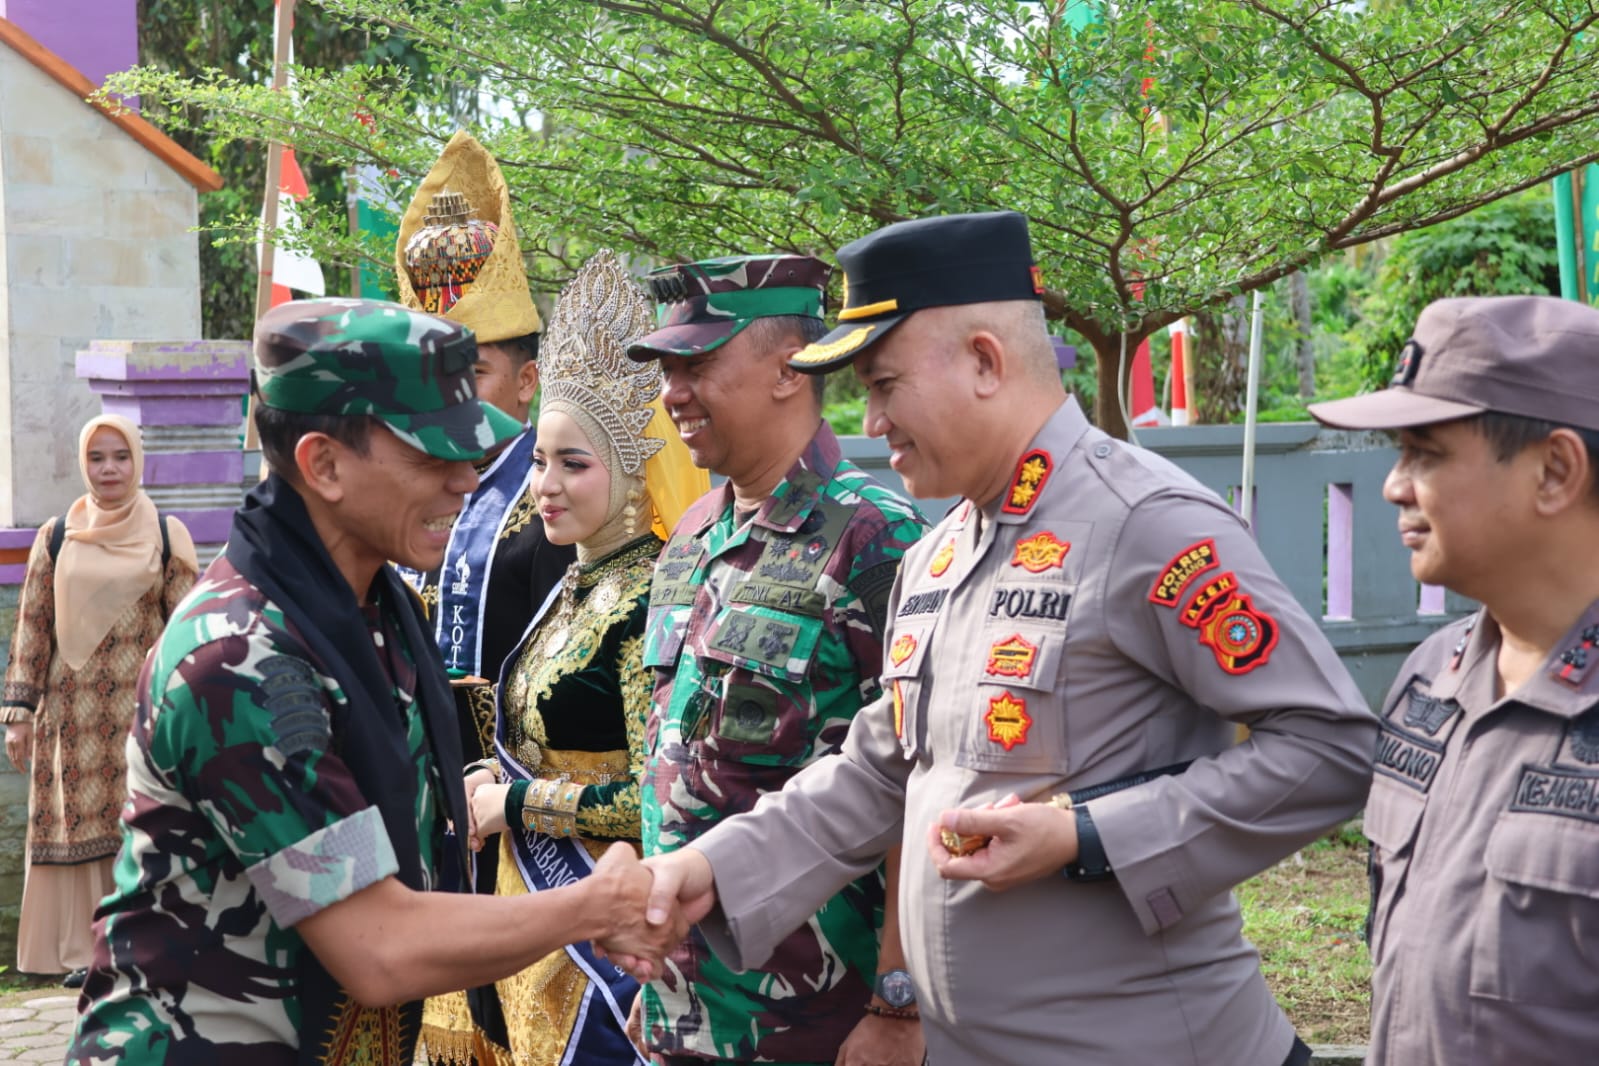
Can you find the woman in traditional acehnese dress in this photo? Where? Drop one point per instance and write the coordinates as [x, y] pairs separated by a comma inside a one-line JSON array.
[[612, 477]]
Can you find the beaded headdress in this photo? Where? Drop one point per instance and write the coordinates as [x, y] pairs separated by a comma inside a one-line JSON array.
[[457, 253], [583, 364]]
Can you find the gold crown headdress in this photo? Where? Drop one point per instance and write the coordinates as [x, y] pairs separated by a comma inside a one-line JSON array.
[[583, 362], [457, 253]]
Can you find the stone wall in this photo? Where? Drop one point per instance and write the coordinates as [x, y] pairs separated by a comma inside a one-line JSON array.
[[95, 241]]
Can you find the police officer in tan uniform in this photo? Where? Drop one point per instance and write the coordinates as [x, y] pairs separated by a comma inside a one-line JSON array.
[[1070, 652], [1484, 811]]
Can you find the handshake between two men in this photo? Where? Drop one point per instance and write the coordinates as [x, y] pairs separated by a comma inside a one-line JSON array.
[[1014, 842]]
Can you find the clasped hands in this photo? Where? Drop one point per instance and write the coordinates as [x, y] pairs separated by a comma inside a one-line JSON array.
[[645, 907], [677, 891]]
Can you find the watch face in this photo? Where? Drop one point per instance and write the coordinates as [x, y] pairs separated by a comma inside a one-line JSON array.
[[896, 989]]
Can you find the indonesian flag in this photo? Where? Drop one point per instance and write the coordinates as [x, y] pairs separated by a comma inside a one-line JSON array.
[[291, 270]]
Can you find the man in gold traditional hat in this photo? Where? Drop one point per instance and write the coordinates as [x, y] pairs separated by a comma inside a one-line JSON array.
[[457, 256]]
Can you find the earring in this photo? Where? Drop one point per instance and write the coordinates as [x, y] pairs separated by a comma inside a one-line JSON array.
[[630, 513]]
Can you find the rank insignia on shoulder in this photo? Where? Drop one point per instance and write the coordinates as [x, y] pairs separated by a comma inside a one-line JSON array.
[[1011, 657], [1210, 595], [1032, 473], [1008, 720], [1184, 567], [903, 648], [1040, 552], [941, 561], [899, 709], [1241, 636]]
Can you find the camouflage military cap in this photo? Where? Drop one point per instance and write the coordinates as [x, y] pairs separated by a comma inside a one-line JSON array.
[[704, 304], [370, 357]]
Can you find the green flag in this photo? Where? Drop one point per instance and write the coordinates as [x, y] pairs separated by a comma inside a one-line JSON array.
[[1577, 233]]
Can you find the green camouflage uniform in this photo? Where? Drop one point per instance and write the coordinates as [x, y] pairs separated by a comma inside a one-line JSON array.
[[767, 636], [241, 821], [261, 790]]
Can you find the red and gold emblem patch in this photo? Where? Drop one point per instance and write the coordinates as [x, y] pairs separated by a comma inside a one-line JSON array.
[[941, 561], [1008, 720], [899, 710], [1038, 279], [1032, 473], [1184, 567], [1241, 637], [1215, 592], [1040, 552], [1012, 657], [903, 648]]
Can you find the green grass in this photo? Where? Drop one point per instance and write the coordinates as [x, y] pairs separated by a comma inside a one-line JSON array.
[[1305, 916]]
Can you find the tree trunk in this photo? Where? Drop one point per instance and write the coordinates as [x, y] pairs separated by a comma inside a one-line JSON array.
[[1107, 407], [1221, 360], [1304, 354]]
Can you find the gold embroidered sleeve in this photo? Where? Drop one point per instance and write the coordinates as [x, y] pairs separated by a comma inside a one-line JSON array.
[[612, 811]]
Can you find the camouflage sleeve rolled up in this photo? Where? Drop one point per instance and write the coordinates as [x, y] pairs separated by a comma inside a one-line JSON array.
[[241, 729]]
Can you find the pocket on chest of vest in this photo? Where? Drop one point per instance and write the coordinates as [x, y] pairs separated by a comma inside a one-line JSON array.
[[1538, 919], [663, 635]]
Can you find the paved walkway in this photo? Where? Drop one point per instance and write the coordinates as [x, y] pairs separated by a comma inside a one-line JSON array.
[[39, 1029]]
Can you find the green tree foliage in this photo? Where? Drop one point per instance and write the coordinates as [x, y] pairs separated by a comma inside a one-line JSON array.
[[1506, 248], [1172, 155], [232, 39]]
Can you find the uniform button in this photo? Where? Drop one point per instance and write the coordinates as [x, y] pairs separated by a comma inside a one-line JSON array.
[[1102, 451]]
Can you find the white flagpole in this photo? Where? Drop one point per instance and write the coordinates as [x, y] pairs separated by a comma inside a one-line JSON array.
[[1246, 506], [282, 42]]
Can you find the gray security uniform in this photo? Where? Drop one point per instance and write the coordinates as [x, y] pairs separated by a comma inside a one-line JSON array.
[[1107, 615], [1484, 817]]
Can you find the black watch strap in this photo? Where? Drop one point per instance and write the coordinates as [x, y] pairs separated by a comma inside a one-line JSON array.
[[1091, 863]]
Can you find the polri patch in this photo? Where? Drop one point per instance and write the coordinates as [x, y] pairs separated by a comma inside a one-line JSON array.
[[942, 559], [1030, 601], [1181, 571], [903, 648], [1211, 595], [1011, 657], [1032, 474], [1040, 552], [1008, 720], [1241, 636]]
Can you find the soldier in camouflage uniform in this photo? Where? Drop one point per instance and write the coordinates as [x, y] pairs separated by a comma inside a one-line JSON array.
[[294, 758], [765, 629]]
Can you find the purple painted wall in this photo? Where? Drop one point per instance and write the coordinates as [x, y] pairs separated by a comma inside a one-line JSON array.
[[98, 37]]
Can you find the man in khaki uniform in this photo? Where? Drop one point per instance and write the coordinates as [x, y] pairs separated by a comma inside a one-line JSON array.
[[1088, 625], [1484, 813]]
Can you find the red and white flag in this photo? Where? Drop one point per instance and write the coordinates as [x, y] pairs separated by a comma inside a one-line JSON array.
[[291, 269]]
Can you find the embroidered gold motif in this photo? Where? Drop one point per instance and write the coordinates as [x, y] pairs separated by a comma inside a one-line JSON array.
[[522, 514], [1032, 473], [1011, 657], [903, 648], [1040, 552], [1008, 720]]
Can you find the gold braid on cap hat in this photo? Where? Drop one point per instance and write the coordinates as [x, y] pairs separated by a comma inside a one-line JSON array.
[[584, 363]]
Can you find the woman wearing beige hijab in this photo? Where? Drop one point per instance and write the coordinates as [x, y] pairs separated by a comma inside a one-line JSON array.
[[90, 610]]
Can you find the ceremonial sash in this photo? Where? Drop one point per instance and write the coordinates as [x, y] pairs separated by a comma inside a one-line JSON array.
[[469, 558], [599, 1032]]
